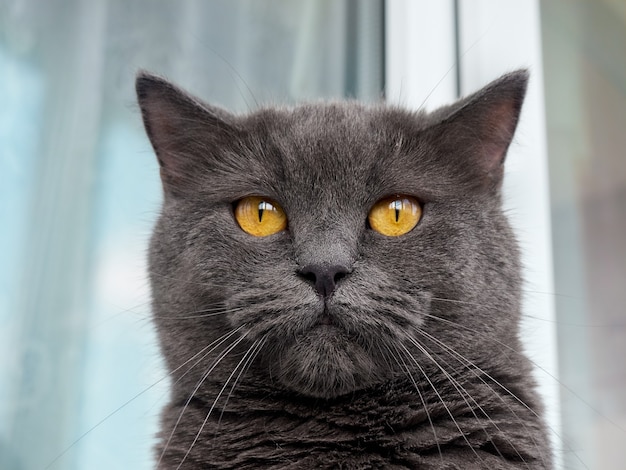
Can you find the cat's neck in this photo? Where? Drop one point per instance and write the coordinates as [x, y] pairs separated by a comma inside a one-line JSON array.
[[384, 426]]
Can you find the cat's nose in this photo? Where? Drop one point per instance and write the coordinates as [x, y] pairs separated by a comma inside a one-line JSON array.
[[324, 277]]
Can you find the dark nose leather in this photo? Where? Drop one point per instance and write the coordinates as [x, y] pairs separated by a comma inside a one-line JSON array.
[[324, 277]]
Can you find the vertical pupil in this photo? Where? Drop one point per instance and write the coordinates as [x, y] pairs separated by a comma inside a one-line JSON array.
[[261, 209], [397, 206]]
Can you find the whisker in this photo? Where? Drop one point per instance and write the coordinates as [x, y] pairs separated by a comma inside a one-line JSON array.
[[219, 342], [185, 281], [506, 346], [234, 73], [441, 400], [216, 399], [616, 324], [255, 352], [515, 397], [467, 363], [419, 393], [122, 406], [219, 358], [201, 313], [455, 383]]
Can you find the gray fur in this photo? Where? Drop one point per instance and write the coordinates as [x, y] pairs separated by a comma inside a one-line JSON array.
[[284, 390]]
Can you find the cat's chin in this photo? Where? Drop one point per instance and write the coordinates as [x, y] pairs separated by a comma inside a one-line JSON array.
[[325, 363]]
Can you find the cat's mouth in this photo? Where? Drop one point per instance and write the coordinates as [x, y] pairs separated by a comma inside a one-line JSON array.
[[329, 319], [326, 318], [327, 359]]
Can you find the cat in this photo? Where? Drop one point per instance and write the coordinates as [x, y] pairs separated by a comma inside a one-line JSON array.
[[335, 285]]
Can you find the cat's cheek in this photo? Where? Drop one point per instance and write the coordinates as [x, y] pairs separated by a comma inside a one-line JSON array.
[[278, 309], [379, 300]]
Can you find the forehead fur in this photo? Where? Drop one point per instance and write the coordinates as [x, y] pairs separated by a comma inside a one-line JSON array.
[[342, 149]]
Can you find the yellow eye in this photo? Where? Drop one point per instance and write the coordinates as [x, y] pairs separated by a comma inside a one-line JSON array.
[[395, 215], [260, 216]]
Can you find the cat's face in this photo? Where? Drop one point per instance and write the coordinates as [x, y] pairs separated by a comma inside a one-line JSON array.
[[326, 300]]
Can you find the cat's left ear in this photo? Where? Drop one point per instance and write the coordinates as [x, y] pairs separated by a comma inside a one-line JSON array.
[[476, 132], [187, 135]]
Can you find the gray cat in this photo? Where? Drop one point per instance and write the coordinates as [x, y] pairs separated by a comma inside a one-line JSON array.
[[335, 286]]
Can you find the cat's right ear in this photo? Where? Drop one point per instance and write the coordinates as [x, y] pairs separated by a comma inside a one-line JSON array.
[[475, 133], [184, 132]]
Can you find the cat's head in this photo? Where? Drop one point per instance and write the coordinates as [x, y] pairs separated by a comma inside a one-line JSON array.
[[331, 237]]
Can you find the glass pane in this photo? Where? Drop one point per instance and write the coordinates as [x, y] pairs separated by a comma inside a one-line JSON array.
[[584, 46], [79, 191]]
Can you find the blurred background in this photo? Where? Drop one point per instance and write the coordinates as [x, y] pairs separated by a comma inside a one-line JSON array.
[[81, 381]]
